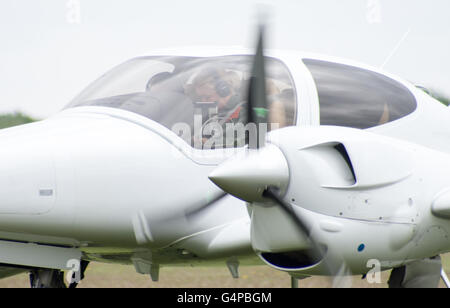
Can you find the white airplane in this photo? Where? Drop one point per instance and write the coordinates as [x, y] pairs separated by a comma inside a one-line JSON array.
[[150, 166]]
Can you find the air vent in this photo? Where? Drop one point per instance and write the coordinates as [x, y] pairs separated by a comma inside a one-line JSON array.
[[343, 151], [292, 259]]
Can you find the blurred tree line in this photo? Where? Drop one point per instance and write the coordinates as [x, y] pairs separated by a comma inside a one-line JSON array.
[[440, 97], [14, 119]]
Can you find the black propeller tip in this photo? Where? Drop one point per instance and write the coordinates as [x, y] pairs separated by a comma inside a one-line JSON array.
[[257, 105]]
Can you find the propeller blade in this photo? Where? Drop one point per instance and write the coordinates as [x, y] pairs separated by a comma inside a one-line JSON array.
[[343, 278], [193, 211], [257, 106], [273, 194], [198, 208], [342, 274]]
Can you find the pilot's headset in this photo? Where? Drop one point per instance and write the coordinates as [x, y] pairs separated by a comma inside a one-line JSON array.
[[222, 87], [209, 110]]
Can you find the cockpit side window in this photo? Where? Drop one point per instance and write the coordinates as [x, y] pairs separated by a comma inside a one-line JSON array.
[[354, 97], [200, 99]]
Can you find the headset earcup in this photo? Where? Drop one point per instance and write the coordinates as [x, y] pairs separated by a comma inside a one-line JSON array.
[[223, 88]]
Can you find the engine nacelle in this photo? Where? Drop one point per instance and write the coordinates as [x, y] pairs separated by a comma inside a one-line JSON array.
[[364, 196]]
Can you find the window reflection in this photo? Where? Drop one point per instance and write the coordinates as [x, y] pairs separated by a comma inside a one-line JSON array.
[[358, 98]]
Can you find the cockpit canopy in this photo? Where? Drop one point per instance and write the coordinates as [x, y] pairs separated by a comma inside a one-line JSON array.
[[176, 91]]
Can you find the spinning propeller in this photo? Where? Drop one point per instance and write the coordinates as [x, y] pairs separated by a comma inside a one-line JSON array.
[[261, 175]]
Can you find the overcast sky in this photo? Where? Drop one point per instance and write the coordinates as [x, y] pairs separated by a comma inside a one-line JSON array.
[[51, 49]]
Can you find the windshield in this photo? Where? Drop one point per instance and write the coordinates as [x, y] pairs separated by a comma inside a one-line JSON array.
[[201, 99]]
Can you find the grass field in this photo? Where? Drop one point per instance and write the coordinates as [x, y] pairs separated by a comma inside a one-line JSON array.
[[100, 275]]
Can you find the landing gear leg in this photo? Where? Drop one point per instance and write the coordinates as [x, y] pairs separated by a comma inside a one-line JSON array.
[[419, 274], [52, 278], [294, 282], [47, 279]]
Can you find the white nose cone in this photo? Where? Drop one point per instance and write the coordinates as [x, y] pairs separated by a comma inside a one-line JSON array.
[[248, 175]]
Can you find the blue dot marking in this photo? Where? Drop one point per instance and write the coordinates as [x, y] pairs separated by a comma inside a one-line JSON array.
[[361, 247]]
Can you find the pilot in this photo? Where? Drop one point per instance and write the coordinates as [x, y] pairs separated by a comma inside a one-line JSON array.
[[220, 87], [214, 85], [224, 88]]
